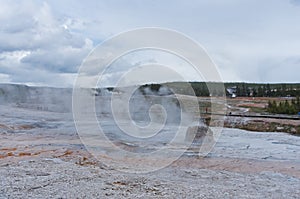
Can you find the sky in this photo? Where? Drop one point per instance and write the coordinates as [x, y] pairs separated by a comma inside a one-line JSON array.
[[43, 43]]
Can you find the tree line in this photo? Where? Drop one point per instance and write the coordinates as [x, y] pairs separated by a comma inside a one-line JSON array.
[[242, 89], [267, 90], [292, 107]]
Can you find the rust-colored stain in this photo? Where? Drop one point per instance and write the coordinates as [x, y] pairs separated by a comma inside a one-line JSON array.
[[8, 149], [18, 127], [119, 183], [24, 154], [66, 153], [25, 127]]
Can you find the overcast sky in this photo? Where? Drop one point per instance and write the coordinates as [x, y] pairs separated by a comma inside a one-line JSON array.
[[44, 42]]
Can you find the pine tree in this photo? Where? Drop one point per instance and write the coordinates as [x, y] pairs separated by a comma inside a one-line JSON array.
[[270, 106], [268, 90], [254, 92], [298, 103], [286, 107], [260, 92], [275, 107]]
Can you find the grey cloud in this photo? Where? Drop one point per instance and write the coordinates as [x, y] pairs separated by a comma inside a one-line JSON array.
[[249, 40], [50, 47], [62, 59], [20, 37], [295, 2], [20, 24], [286, 69]]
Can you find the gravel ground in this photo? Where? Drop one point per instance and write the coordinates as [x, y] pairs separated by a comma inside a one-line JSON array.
[[42, 157], [55, 178], [64, 170]]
